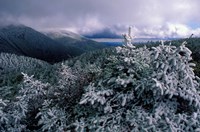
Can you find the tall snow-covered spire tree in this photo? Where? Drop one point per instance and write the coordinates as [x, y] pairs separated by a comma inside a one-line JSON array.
[[128, 37]]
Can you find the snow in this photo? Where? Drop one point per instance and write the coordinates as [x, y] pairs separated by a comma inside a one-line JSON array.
[[63, 33]]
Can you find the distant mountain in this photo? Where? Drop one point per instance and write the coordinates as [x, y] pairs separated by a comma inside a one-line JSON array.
[[51, 47], [26, 41], [74, 43]]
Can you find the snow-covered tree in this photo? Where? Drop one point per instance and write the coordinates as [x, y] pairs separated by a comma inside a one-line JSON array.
[[143, 89], [17, 113], [125, 89]]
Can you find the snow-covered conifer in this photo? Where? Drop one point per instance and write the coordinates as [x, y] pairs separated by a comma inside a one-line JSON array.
[[143, 89]]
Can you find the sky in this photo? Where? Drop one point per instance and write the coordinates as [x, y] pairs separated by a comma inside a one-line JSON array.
[[148, 18]]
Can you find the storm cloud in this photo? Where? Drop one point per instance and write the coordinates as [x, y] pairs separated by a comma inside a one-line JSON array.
[[155, 18]]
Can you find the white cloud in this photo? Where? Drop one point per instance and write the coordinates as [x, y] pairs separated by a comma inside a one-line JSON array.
[[152, 18], [89, 25], [169, 30]]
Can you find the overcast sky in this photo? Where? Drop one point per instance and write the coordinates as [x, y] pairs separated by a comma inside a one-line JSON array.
[[149, 18]]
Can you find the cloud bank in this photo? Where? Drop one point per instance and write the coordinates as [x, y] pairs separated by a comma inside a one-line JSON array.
[[155, 18]]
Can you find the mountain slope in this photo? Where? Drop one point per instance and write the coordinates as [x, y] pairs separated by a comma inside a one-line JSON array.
[[11, 68], [26, 41], [75, 43]]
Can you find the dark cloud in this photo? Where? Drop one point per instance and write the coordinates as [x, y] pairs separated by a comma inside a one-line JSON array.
[[88, 16], [104, 33]]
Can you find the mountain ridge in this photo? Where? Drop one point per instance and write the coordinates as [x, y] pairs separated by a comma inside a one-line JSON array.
[[78, 43], [26, 41]]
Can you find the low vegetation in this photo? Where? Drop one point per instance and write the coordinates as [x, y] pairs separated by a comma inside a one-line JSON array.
[[126, 88]]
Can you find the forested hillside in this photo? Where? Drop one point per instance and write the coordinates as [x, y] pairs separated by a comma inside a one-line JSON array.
[[126, 88], [11, 68], [51, 47]]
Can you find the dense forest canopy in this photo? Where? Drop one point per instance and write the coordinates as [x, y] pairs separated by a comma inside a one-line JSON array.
[[124, 88]]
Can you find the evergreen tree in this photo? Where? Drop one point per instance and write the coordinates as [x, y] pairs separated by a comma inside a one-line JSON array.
[[143, 90]]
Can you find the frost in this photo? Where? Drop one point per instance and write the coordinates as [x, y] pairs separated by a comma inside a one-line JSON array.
[[121, 89], [155, 89]]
